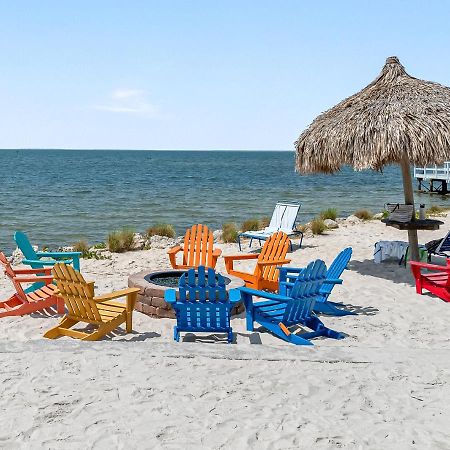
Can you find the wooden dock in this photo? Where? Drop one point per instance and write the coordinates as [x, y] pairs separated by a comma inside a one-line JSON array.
[[433, 179]]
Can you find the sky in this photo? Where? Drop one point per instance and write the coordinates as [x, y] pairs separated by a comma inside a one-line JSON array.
[[205, 74]]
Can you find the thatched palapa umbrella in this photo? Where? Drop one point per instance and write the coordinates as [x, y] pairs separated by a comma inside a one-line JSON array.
[[395, 119]]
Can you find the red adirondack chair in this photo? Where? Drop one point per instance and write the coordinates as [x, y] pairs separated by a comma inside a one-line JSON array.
[[437, 281], [21, 302]]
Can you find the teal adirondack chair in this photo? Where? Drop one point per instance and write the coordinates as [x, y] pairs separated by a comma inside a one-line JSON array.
[[334, 272], [281, 312], [203, 304], [34, 259]]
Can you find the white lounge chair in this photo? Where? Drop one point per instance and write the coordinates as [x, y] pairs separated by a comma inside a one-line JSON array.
[[284, 219]]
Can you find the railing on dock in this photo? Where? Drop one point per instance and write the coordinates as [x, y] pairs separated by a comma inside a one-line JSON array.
[[433, 172]]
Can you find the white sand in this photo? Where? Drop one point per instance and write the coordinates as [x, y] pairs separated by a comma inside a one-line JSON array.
[[386, 385]]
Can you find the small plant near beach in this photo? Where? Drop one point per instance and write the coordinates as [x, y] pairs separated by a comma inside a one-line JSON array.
[[364, 214], [318, 226], [229, 232], [264, 222], [120, 241], [329, 213], [435, 210], [385, 214], [81, 246], [251, 225], [100, 245], [161, 229]]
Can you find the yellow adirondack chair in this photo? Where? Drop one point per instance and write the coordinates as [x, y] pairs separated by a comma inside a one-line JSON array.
[[198, 249], [83, 306], [265, 276]]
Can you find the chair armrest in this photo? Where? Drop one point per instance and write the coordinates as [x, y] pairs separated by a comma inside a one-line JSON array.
[[216, 252], [170, 296], [264, 294], [117, 294], [332, 281], [238, 257], [273, 263], [234, 295], [58, 254], [47, 279], [422, 265], [42, 262], [30, 271], [175, 249], [291, 269]]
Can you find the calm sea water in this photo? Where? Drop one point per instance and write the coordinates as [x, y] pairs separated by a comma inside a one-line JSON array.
[[59, 197]]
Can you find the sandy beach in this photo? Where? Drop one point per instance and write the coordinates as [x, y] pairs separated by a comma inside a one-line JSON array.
[[386, 385]]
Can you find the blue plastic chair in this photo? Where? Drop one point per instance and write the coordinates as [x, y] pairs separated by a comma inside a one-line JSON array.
[[34, 259], [334, 272], [281, 312], [203, 304]]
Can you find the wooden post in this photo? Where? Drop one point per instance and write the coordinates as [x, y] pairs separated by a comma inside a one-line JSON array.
[[409, 200]]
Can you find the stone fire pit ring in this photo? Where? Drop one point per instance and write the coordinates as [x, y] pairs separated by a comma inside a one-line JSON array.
[[150, 299]]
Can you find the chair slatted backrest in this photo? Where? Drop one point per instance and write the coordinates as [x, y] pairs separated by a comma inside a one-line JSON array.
[[444, 246], [198, 246], [274, 249], [203, 300], [26, 248], [304, 292], [9, 272], [335, 270], [283, 217], [78, 295]]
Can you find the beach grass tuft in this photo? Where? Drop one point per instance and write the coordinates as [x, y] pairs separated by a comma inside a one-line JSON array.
[[318, 226], [264, 222], [229, 232], [329, 213], [81, 246], [364, 214], [120, 241], [161, 229], [251, 225], [435, 210]]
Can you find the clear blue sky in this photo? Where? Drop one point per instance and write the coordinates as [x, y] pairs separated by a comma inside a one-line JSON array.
[[199, 74]]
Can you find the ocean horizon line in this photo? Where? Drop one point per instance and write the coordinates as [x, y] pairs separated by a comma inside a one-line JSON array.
[[143, 150]]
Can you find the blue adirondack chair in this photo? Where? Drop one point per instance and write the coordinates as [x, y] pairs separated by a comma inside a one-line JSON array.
[[334, 272], [280, 312], [34, 259], [203, 304]]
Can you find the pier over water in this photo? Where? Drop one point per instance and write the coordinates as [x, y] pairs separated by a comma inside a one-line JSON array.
[[433, 179]]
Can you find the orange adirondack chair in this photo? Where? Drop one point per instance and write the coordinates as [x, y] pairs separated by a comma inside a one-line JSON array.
[[198, 249], [265, 276], [21, 302], [436, 280]]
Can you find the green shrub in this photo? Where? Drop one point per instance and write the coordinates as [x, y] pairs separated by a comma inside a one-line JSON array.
[[251, 225], [318, 226], [229, 232], [329, 213], [385, 214], [161, 229], [363, 214], [100, 245], [435, 210], [120, 241], [81, 246]]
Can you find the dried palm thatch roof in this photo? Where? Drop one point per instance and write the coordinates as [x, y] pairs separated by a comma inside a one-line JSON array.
[[394, 114]]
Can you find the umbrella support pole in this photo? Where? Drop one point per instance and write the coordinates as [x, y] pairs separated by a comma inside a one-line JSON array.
[[409, 200]]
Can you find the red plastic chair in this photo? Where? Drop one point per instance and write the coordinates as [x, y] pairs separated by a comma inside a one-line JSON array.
[[21, 302], [436, 281]]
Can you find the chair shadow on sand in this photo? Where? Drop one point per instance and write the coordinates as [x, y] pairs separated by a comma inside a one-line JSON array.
[[388, 269]]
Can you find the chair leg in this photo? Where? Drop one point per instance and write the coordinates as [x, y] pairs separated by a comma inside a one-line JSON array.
[[230, 336], [176, 334], [60, 305], [291, 338], [65, 323], [131, 301]]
